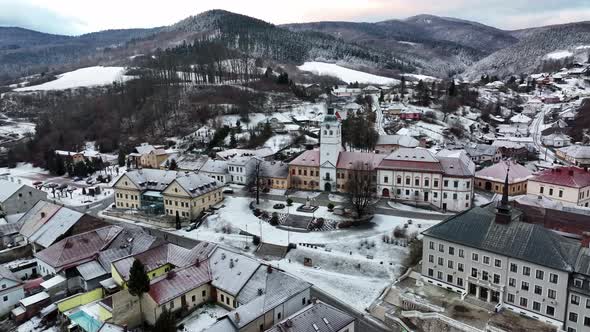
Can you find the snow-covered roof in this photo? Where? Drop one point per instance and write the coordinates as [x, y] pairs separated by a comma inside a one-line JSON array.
[[58, 279], [577, 151], [520, 118], [27, 301], [401, 140], [7, 189], [197, 184], [230, 271], [262, 153], [91, 270], [497, 172], [214, 166]]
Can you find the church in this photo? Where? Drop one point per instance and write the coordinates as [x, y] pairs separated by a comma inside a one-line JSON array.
[[416, 175]]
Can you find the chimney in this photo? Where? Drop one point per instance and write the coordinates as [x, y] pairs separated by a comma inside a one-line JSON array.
[[237, 317], [269, 269], [585, 239]]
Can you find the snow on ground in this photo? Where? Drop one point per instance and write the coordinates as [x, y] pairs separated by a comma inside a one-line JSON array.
[[17, 128], [203, 318], [424, 78], [84, 77], [337, 198], [559, 54], [278, 142], [305, 194], [408, 43], [345, 74], [404, 207], [32, 326]]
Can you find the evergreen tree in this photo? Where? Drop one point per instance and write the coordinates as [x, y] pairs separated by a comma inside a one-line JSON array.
[[178, 225], [173, 165], [232, 140], [60, 168], [452, 89], [403, 87], [121, 158], [138, 283], [165, 322]]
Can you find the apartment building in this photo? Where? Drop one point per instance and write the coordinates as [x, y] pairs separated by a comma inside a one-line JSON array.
[[565, 184]]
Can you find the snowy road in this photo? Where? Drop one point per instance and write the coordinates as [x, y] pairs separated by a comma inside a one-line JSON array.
[[536, 129]]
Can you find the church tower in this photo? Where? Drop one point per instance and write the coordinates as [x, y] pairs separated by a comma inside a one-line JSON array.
[[330, 147]]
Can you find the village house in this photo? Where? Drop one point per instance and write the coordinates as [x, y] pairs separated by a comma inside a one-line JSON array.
[[241, 169], [556, 140], [46, 223], [389, 143], [492, 178], [317, 316], [274, 175], [418, 176], [483, 153], [11, 290], [17, 197], [578, 155], [148, 156], [216, 169], [182, 194], [410, 114], [566, 184], [344, 91]]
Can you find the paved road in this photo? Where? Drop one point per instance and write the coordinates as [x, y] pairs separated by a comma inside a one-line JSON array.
[[365, 322], [536, 128]]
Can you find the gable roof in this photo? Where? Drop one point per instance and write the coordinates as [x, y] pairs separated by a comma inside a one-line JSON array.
[[230, 271], [8, 188], [5, 273], [401, 140], [416, 159], [149, 179], [350, 160], [76, 249], [178, 282], [58, 224], [36, 217], [317, 317], [91, 270], [477, 228], [309, 158], [497, 172], [577, 151], [564, 176], [196, 184]]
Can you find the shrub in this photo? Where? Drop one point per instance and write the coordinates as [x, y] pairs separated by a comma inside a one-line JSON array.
[[289, 202], [399, 232], [330, 207], [274, 220], [345, 224], [257, 212], [266, 190]]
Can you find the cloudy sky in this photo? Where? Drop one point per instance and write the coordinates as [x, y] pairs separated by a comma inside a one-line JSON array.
[[81, 16]]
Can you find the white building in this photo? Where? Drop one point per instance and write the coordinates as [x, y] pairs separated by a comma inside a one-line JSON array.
[[556, 140], [18, 198], [11, 290]]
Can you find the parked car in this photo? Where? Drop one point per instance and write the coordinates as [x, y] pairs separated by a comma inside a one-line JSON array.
[[51, 185], [228, 191], [77, 178], [278, 206], [90, 181], [38, 183]]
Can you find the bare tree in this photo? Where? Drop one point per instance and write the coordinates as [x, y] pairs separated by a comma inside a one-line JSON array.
[[361, 187], [255, 178]]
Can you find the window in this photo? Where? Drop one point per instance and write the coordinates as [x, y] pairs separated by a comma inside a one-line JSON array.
[[171, 304], [441, 247], [497, 263], [446, 183], [461, 253], [435, 183], [430, 259], [450, 264], [484, 275], [451, 250], [460, 281], [526, 270], [399, 180], [441, 261], [510, 298], [586, 321], [475, 257], [541, 190], [431, 245], [553, 278], [439, 275], [303, 301], [538, 290], [573, 317], [204, 293], [578, 283], [486, 260], [450, 278], [551, 294], [524, 286], [416, 182], [5, 298], [408, 181], [454, 196], [474, 272], [587, 303], [550, 310], [460, 267], [539, 274], [496, 278], [536, 306], [385, 179], [513, 268], [279, 316], [430, 272], [193, 298], [511, 282], [560, 193], [222, 298], [426, 182], [456, 184], [550, 191], [524, 302], [575, 299]]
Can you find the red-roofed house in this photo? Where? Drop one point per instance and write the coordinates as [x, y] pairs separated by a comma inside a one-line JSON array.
[[350, 162], [492, 178], [566, 184]]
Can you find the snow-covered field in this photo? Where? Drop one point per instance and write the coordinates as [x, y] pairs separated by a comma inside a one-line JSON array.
[[84, 77], [559, 54], [345, 74]]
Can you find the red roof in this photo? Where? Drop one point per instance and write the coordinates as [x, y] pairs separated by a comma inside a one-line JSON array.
[[310, 158], [178, 282], [565, 176], [348, 159]]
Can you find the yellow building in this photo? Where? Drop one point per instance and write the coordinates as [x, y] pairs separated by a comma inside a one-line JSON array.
[[492, 178], [274, 175], [304, 171]]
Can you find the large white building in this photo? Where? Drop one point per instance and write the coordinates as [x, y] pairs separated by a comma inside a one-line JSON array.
[[491, 255]]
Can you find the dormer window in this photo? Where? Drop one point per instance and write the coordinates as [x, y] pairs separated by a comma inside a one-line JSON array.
[[578, 283]]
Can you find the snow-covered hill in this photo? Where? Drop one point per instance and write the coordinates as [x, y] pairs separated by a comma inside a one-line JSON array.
[[85, 77], [345, 74]]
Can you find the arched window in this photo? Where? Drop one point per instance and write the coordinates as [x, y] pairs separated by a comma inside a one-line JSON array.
[[331, 132]]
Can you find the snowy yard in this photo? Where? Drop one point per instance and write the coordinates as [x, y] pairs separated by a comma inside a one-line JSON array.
[[84, 77], [202, 318]]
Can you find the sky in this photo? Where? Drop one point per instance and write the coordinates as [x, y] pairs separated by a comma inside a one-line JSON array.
[[74, 17]]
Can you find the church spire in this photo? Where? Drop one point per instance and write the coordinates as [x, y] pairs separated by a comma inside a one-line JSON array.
[[504, 210]]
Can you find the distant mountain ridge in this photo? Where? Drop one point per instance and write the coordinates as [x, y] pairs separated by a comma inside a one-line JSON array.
[[428, 44]]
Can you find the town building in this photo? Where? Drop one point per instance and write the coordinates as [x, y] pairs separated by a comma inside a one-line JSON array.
[[578, 155], [556, 140], [318, 316], [566, 184], [182, 194], [492, 178], [490, 256], [17, 197], [148, 156], [241, 169], [274, 175], [418, 176], [389, 143], [484, 154], [216, 169], [304, 171]]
